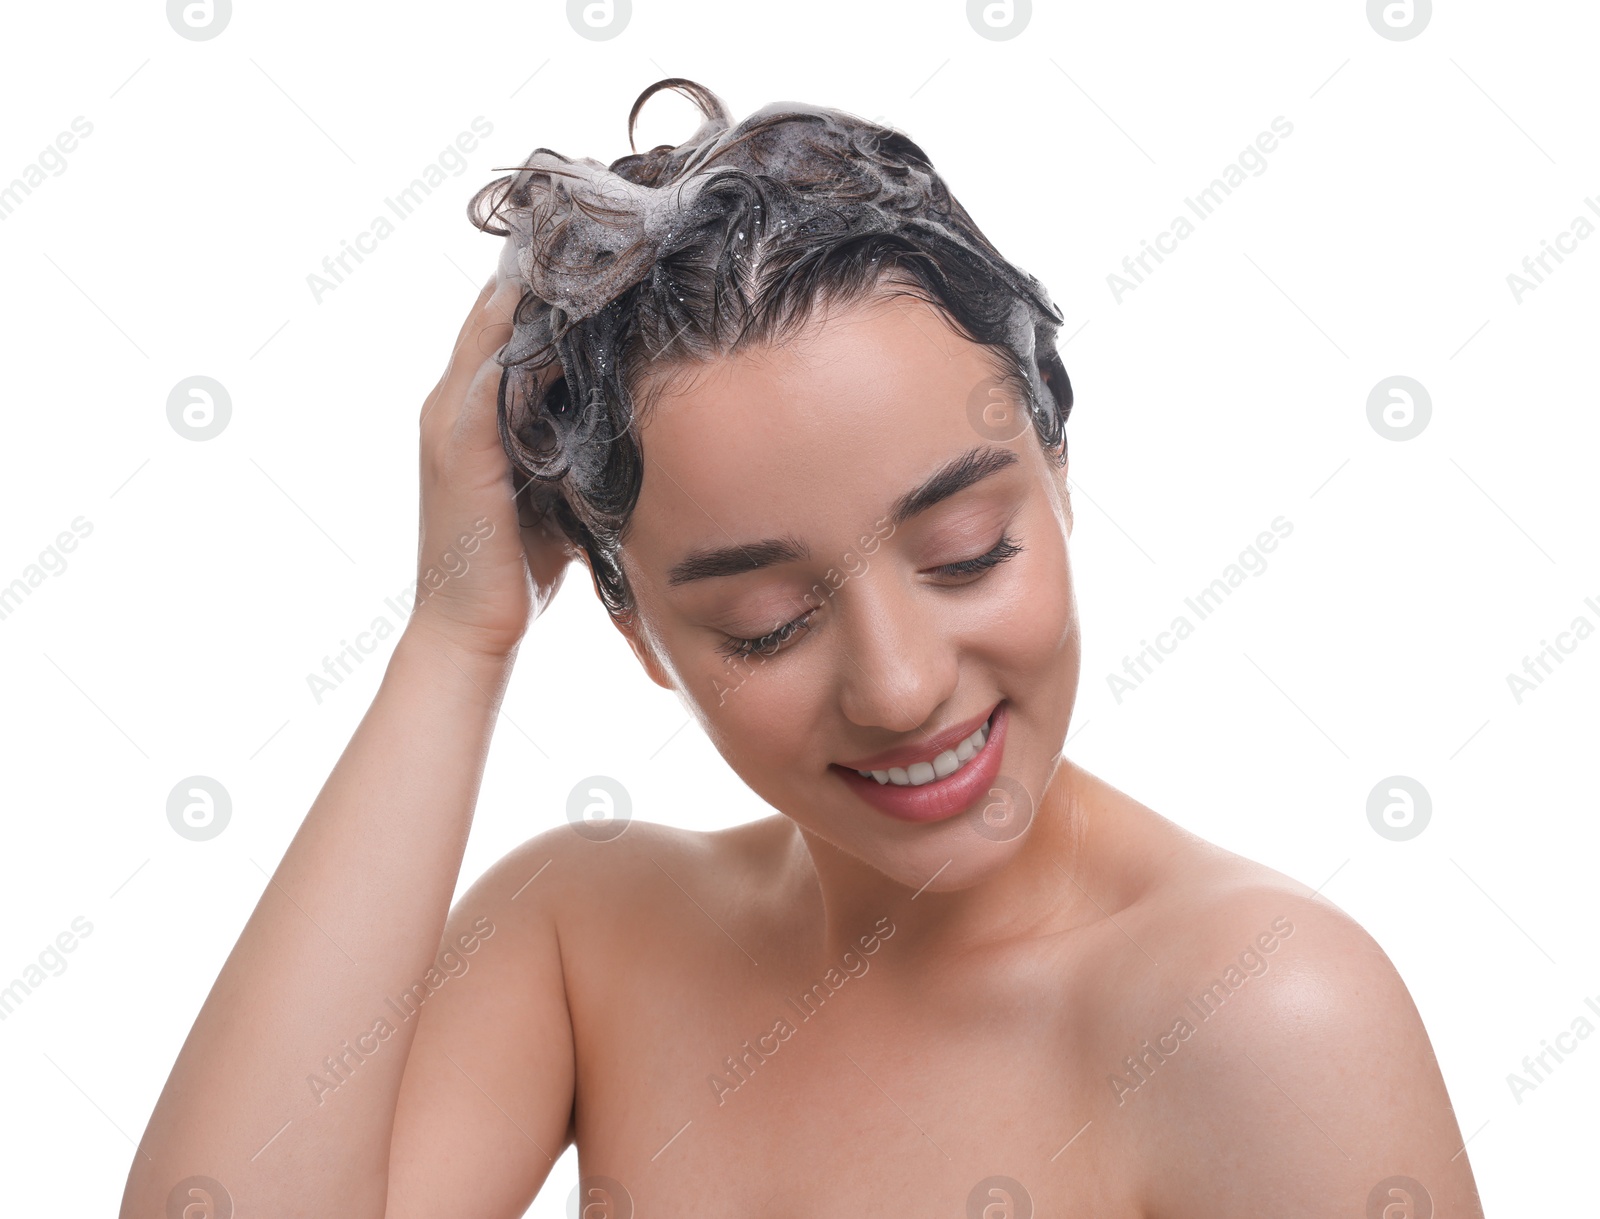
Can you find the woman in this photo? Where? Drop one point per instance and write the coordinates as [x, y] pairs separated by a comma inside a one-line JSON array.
[[804, 428]]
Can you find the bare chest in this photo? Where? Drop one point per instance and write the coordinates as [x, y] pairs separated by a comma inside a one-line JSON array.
[[739, 1084]]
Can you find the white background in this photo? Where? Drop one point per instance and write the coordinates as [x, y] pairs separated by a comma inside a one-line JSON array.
[[1228, 389]]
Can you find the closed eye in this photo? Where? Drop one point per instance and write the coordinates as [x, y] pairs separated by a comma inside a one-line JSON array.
[[1003, 550], [767, 644]]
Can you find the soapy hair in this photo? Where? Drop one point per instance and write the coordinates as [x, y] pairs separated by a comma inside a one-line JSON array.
[[669, 258]]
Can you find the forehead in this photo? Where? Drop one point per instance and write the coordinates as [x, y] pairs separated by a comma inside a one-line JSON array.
[[813, 436]]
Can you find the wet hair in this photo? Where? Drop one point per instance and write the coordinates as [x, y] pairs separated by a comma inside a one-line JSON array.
[[669, 258]]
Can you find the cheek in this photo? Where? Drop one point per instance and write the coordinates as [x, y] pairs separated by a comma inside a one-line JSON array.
[[752, 710], [764, 736], [1034, 628]]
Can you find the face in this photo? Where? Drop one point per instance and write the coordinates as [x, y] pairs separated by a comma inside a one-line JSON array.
[[834, 559]]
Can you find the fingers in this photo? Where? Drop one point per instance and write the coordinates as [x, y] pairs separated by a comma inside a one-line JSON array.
[[486, 330], [477, 422], [471, 324], [484, 293], [477, 426]]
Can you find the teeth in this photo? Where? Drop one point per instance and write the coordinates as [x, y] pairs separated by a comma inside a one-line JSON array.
[[946, 764]]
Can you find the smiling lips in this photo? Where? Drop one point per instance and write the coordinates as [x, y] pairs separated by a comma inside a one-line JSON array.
[[944, 763], [942, 776], [922, 751]]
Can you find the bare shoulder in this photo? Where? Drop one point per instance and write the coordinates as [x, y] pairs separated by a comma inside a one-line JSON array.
[[562, 915], [589, 875], [535, 956], [1276, 1040]]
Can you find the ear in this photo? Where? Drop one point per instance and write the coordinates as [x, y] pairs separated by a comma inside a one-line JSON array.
[[633, 633]]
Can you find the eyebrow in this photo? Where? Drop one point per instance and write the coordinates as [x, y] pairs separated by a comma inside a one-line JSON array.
[[955, 476]]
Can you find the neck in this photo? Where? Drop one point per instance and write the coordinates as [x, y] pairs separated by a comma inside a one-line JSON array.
[[1043, 887]]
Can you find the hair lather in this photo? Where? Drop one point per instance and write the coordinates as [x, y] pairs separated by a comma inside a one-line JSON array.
[[670, 257]]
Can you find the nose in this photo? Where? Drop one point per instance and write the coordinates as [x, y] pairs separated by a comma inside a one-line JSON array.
[[897, 665]]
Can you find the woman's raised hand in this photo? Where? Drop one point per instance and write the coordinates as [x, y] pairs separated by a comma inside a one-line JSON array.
[[480, 577], [327, 942]]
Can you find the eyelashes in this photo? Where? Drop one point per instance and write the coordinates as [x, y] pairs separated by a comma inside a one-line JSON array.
[[735, 647], [1004, 549]]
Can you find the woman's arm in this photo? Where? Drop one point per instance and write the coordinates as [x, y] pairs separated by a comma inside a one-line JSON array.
[[286, 1090], [485, 1108]]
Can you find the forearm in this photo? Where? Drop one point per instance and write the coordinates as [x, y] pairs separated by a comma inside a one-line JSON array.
[[351, 919]]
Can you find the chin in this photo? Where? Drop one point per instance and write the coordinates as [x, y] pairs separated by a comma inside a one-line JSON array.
[[964, 860], [956, 852]]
